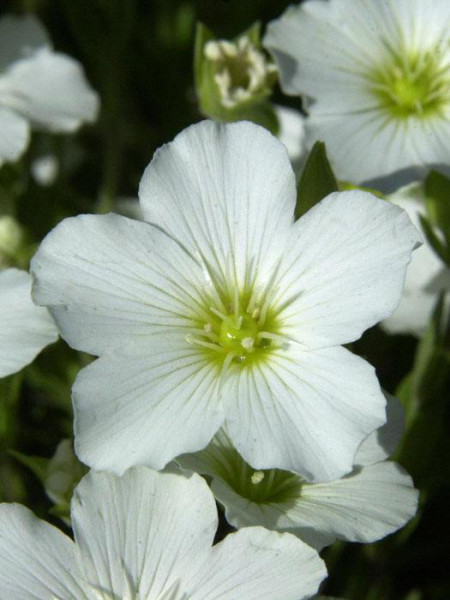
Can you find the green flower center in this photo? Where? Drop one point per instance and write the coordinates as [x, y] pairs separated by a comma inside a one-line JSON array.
[[234, 334], [413, 84]]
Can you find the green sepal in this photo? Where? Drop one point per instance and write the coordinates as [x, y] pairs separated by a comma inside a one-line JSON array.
[[437, 201], [440, 248], [316, 181]]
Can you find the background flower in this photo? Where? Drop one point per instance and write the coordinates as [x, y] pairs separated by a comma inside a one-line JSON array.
[[38, 87], [376, 78]]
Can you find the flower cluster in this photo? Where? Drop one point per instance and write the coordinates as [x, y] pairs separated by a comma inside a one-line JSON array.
[[222, 317]]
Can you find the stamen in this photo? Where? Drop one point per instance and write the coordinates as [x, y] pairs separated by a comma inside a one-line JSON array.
[[257, 477]]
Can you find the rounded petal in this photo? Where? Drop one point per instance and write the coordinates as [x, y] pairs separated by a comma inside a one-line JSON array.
[[25, 329], [20, 36], [345, 269], [15, 135], [145, 405], [139, 533], [51, 90], [365, 506], [227, 192], [257, 564], [36, 559], [109, 280], [305, 412]]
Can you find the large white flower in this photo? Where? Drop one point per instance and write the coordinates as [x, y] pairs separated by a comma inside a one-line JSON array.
[[377, 498], [148, 536], [25, 329], [38, 87], [426, 277], [377, 73], [221, 308]]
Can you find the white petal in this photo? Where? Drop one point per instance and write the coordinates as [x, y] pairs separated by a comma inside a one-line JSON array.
[[25, 329], [36, 559], [345, 270], [363, 507], [15, 135], [256, 564], [51, 90], [110, 280], [20, 37], [383, 442], [292, 134], [305, 412], [225, 191], [141, 531], [145, 405]]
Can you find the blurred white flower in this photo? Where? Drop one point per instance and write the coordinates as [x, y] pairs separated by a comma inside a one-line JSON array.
[[426, 276], [376, 499], [376, 77], [221, 308], [25, 329], [39, 88], [44, 169], [148, 536]]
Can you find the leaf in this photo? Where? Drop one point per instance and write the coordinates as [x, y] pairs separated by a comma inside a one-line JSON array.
[[438, 246], [317, 180], [37, 464]]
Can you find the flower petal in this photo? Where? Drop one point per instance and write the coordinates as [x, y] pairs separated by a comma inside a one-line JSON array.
[[36, 559], [109, 280], [365, 506], [51, 90], [145, 405], [25, 329], [346, 268], [257, 564], [305, 412], [141, 531], [15, 135], [225, 191]]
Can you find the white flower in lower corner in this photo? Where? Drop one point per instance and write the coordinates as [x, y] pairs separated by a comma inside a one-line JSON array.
[[220, 309], [426, 276], [25, 329], [38, 87], [376, 74], [148, 536], [376, 499]]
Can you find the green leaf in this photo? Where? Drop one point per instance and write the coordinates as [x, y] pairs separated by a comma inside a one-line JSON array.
[[317, 180], [441, 249], [37, 464], [437, 201]]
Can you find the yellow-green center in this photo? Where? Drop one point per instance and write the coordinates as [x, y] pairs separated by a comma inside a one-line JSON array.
[[413, 84]]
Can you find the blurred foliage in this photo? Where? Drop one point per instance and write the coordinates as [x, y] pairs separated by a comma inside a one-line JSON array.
[[138, 54]]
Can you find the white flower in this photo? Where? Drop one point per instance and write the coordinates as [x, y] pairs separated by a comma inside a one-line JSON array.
[[220, 308], [426, 277], [38, 87], [25, 329], [148, 536], [377, 498], [377, 73]]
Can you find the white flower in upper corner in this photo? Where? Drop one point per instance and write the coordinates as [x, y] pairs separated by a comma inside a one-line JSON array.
[[376, 499], [220, 309], [426, 277], [376, 74], [25, 329], [148, 536], [39, 88]]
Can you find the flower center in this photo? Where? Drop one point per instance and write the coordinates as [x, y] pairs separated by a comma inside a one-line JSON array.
[[414, 84], [263, 487], [236, 335]]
